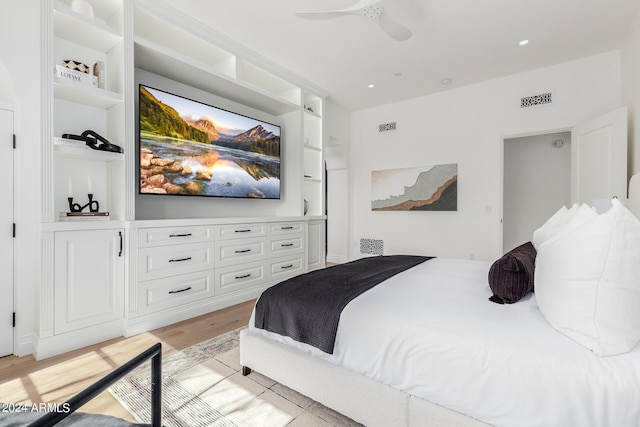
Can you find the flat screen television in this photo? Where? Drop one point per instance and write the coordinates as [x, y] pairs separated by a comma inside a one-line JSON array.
[[189, 148]]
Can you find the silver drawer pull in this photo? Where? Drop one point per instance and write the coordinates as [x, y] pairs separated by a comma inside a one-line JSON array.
[[284, 245], [242, 251], [243, 231], [180, 235], [286, 228], [180, 259], [284, 267], [243, 277], [180, 290]]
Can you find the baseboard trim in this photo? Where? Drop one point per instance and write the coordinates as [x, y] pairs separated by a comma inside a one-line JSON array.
[[24, 345], [63, 343], [337, 259]]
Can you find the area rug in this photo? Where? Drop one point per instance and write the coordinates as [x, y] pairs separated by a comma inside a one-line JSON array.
[[203, 386]]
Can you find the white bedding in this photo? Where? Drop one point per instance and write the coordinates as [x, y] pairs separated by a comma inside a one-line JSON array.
[[431, 332]]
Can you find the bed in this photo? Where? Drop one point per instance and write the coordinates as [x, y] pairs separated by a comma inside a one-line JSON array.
[[426, 346]]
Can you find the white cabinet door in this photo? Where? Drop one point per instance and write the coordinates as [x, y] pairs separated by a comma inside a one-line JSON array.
[[599, 158], [89, 278], [316, 245]]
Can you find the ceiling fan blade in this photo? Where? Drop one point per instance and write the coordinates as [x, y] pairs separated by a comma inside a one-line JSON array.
[[393, 28], [370, 9], [326, 14], [321, 15]]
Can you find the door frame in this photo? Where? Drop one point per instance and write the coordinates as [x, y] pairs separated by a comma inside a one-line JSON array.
[[613, 117], [12, 112]]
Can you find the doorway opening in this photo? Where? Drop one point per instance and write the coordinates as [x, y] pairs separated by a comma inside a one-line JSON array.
[[536, 183]]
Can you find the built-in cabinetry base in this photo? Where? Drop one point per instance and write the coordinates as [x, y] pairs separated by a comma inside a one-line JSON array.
[[185, 268], [178, 269]]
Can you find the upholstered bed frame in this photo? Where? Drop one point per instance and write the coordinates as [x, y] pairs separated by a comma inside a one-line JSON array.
[[365, 400]]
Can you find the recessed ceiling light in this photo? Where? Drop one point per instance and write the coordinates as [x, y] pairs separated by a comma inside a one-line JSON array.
[[445, 81], [371, 86], [523, 42]]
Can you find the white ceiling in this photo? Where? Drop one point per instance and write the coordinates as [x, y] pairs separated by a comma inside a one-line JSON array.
[[467, 41]]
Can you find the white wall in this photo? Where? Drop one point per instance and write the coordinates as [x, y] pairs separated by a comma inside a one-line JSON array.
[[466, 126], [630, 55], [20, 54], [536, 183]]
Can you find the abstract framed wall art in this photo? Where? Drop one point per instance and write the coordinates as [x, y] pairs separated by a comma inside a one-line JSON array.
[[425, 188]]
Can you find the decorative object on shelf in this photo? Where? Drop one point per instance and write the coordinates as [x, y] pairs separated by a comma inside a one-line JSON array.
[[75, 65], [83, 8], [93, 205], [427, 188], [82, 216], [76, 143], [99, 71], [306, 206], [70, 74], [95, 141]]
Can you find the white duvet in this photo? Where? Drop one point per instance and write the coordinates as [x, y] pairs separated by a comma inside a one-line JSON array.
[[432, 332]]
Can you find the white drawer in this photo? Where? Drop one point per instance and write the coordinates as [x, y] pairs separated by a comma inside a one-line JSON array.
[[285, 228], [283, 268], [238, 277], [285, 245], [240, 251], [240, 231], [173, 235], [161, 294], [163, 261]]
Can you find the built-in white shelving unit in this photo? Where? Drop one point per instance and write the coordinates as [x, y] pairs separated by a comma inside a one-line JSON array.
[[71, 107], [127, 36]]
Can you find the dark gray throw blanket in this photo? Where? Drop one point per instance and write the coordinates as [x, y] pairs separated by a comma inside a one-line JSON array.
[[307, 308]]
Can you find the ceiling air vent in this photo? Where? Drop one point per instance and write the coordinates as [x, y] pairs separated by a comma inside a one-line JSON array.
[[386, 127], [541, 99]]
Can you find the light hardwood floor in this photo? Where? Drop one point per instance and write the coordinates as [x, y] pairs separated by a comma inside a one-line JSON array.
[[25, 380]]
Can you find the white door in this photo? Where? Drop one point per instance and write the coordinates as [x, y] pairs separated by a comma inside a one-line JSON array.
[[6, 232], [599, 158]]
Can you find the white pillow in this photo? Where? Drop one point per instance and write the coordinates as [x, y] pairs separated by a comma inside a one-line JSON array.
[[563, 220], [587, 282]]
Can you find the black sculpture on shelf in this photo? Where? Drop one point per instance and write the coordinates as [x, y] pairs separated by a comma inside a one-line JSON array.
[[93, 205]]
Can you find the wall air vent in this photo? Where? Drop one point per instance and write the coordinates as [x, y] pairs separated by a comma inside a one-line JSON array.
[[386, 127], [371, 246], [540, 99]]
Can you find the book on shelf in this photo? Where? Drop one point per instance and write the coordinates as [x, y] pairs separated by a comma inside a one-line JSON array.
[[65, 142], [65, 73], [82, 216], [99, 71]]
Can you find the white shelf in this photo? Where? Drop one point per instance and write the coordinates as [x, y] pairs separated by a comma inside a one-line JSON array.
[[312, 114], [86, 153], [312, 148], [93, 33], [177, 66], [85, 94]]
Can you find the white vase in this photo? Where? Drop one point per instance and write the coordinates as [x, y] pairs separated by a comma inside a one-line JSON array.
[[83, 8]]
